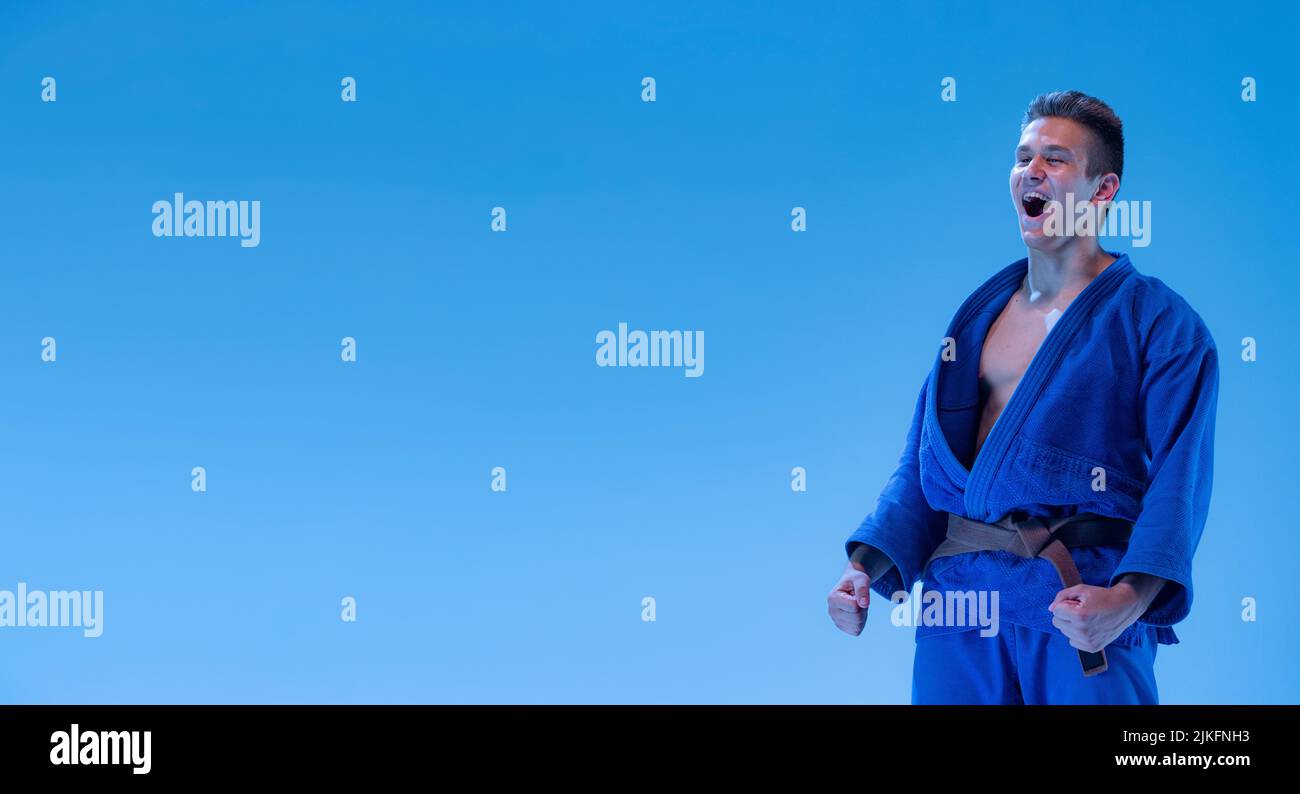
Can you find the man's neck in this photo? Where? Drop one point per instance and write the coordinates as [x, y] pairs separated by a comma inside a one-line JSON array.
[[1063, 272]]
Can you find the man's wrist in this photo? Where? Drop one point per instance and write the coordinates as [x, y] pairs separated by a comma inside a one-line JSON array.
[[870, 560], [1144, 588]]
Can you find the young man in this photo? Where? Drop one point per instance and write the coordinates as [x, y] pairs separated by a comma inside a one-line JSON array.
[[1059, 455]]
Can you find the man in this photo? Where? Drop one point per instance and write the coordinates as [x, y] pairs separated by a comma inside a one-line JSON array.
[[1059, 455]]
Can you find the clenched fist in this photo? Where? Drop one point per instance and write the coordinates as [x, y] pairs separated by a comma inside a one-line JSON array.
[[848, 602]]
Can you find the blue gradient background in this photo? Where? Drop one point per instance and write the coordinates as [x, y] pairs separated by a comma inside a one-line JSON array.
[[477, 349]]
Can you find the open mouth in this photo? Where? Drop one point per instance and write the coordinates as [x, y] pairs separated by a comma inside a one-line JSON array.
[[1034, 203]]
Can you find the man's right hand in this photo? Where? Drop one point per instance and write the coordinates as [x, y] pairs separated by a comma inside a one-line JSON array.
[[848, 602]]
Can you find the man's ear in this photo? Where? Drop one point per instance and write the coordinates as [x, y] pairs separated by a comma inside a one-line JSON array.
[[1107, 187]]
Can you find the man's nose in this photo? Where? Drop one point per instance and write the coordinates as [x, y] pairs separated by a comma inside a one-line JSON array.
[[1034, 170]]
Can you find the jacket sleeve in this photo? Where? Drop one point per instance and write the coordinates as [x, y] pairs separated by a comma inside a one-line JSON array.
[[1179, 397], [902, 530]]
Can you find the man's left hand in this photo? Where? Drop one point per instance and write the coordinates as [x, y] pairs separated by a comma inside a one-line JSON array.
[[1091, 617]]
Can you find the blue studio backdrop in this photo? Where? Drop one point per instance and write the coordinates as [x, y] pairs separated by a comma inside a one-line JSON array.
[[492, 506]]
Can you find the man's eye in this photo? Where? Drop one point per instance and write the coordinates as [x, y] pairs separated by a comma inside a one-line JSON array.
[[1023, 160], [1055, 160]]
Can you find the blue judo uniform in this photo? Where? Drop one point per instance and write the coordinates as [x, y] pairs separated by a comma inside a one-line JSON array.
[[1124, 387]]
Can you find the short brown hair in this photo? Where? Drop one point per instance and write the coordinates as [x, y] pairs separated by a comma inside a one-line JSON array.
[[1107, 153]]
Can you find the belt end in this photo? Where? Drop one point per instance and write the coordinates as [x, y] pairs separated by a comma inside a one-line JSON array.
[[1093, 663]]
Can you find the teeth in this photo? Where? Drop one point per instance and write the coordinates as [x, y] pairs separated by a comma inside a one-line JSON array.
[[1036, 194]]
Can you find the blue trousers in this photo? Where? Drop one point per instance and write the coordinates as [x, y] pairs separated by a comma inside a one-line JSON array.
[[1027, 666]]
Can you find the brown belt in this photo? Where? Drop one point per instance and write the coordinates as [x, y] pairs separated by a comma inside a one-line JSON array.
[[1050, 539]]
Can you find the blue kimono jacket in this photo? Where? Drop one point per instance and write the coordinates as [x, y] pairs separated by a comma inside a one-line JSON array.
[[1127, 382]]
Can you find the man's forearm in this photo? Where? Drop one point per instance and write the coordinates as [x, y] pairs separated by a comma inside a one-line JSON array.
[[1145, 588], [870, 560]]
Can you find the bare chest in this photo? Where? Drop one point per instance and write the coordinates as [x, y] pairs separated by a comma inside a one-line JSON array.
[[1010, 345]]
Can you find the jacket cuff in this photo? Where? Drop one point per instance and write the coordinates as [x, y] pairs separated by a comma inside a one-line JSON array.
[[1174, 601], [885, 578]]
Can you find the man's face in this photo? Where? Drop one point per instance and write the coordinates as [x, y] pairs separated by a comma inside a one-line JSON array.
[[1051, 162]]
